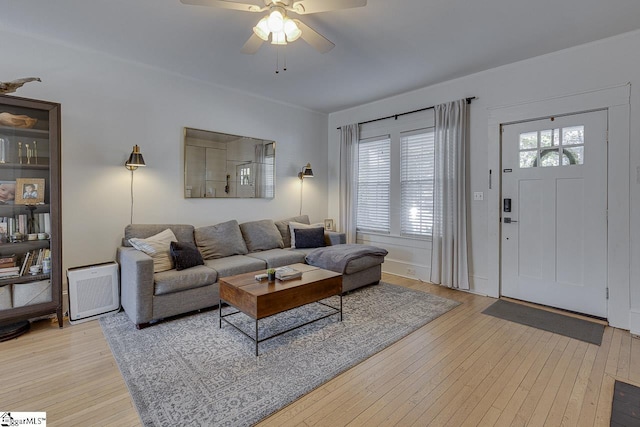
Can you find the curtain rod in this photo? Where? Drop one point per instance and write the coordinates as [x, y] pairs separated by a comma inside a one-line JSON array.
[[395, 116]]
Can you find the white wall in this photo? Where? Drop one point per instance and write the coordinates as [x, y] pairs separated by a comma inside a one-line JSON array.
[[109, 105], [593, 66]]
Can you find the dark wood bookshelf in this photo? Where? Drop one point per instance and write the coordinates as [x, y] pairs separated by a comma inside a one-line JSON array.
[[47, 134]]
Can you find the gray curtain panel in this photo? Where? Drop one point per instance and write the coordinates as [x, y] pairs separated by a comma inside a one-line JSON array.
[[349, 136], [449, 243]]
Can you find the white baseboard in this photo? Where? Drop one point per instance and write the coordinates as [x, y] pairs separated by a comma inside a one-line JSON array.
[[404, 269]]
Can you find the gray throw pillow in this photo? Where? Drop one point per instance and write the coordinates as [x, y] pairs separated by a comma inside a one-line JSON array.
[[261, 235], [220, 240], [309, 237]]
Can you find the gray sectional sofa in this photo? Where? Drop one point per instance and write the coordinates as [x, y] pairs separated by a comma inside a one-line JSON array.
[[150, 293]]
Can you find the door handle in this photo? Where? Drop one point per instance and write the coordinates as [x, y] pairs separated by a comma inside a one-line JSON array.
[[508, 220]]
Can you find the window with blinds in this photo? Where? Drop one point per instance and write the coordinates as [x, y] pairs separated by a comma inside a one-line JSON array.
[[269, 168], [416, 182], [374, 183]]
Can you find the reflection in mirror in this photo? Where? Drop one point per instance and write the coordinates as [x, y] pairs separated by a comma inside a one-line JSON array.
[[222, 165]]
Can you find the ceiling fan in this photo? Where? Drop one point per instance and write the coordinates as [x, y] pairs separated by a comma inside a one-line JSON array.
[[277, 26]]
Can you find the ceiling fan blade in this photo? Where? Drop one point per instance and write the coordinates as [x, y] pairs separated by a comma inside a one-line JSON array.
[[304, 7], [252, 45], [315, 39], [246, 7]]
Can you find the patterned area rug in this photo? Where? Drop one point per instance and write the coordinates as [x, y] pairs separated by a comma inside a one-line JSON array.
[[188, 371]]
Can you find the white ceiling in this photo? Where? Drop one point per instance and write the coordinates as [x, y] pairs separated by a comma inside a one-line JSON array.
[[385, 48]]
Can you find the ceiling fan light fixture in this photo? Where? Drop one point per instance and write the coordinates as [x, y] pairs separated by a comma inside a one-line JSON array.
[[278, 38], [276, 20], [262, 29], [291, 30]]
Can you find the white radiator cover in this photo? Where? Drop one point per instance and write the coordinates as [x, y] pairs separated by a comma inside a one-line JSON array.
[[93, 291]]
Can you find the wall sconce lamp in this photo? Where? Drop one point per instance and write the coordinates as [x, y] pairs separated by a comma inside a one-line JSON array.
[[305, 172], [135, 161]]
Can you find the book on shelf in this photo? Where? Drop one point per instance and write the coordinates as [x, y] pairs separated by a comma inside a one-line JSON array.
[[34, 257], [287, 273], [8, 259], [9, 272], [25, 260]]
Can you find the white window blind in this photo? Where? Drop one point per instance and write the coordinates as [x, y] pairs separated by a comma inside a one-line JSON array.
[[416, 182], [269, 171], [374, 181], [269, 182]]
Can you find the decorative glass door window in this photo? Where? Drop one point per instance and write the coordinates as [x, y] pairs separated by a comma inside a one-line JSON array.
[[245, 176], [552, 147]]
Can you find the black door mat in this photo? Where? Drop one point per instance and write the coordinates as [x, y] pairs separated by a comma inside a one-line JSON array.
[[625, 409], [571, 327]]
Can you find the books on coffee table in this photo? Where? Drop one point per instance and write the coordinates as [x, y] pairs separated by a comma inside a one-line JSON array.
[[287, 273]]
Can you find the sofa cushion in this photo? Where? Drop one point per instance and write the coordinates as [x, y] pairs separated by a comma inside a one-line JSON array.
[[309, 237], [157, 247], [283, 227], [220, 240], [183, 232], [185, 255], [261, 235], [295, 225], [175, 281], [236, 264], [279, 257]]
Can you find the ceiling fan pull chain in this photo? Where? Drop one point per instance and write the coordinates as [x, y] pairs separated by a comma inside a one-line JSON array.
[[277, 61], [284, 54]]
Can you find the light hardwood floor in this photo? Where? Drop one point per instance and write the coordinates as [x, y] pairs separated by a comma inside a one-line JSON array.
[[462, 369]]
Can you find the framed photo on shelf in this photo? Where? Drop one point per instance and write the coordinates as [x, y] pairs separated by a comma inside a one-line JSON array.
[[328, 225], [7, 192], [29, 191]]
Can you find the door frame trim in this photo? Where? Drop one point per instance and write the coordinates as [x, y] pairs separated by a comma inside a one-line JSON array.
[[616, 100]]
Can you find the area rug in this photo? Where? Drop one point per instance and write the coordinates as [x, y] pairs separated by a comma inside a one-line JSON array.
[[571, 327], [188, 371]]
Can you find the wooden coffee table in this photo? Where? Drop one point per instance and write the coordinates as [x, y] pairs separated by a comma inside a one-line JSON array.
[[263, 299]]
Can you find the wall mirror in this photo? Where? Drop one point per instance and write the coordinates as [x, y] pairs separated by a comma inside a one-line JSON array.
[[219, 165]]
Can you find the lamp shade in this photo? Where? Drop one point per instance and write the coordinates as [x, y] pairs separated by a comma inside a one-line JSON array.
[[135, 159], [278, 38], [291, 30], [275, 21], [262, 29], [306, 172]]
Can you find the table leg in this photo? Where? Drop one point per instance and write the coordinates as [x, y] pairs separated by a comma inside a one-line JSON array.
[[256, 337], [220, 311], [341, 307]]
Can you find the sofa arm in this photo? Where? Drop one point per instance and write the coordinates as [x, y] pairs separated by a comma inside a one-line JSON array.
[[334, 238], [136, 284]]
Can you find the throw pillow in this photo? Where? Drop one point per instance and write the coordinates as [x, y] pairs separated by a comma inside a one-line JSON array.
[[220, 240], [157, 247], [185, 255], [296, 225], [261, 235], [309, 237], [283, 227]]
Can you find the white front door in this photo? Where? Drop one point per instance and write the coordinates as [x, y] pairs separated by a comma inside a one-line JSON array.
[[554, 238]]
